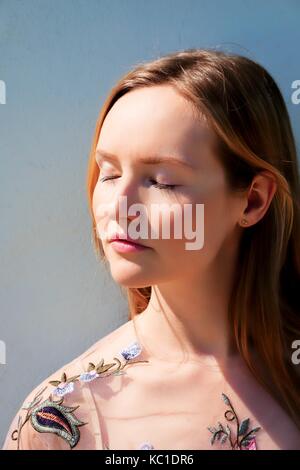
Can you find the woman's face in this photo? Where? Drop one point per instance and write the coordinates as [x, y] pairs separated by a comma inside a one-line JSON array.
[[158, 121]]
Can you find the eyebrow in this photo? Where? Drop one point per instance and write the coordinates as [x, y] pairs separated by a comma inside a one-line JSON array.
[[150, 160]]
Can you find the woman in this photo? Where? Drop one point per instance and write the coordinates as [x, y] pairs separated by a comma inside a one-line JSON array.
[[205, 360]]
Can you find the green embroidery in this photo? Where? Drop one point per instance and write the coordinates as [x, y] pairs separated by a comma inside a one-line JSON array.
[[15, 435], [244, 439], [54, 417]]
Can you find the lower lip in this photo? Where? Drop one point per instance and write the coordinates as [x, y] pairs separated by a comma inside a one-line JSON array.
[[126, 247]]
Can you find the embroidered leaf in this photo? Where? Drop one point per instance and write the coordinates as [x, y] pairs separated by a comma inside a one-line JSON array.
[[250, 435], [255, 430], [72, 379], [211, 429], [251, 445], [104, 368], [36, 402], [120, 372], [100, 363], [244, 427], [15, 435], [27, 406], [36, 399], [225, 399], [91, 367], [220, 428], [54, 382], [56, 418], [247, 442]]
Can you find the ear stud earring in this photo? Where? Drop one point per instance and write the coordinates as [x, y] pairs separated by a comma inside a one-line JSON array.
[[244, 222]]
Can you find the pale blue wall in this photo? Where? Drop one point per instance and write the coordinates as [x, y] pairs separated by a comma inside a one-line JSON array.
[[58, 60]]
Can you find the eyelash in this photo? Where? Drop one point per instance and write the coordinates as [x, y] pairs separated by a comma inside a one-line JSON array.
[[166, 187]]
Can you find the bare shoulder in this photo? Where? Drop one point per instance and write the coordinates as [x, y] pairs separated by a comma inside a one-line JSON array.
[[110, 345], [46, 419], [42, 411]]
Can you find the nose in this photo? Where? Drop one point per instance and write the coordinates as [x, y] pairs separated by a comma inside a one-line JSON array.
[[126, 194]]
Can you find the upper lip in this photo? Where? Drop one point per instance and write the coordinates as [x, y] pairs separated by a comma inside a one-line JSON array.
[[123, 237]]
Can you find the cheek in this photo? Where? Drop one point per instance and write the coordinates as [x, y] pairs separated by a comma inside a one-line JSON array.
[[204, 225], [177, 228], [97, 205], [218, 221], [95, 201]]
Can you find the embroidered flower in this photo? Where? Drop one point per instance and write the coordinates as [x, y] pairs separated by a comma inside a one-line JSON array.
[[251, 445], [64, 385], [50, 416], [63, 388], [244, 439], [89, 376], [132, 351], [146, 446], [53, 416]]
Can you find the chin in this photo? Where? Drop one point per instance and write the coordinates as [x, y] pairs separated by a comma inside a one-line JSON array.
[[130, 276], [130, 282]]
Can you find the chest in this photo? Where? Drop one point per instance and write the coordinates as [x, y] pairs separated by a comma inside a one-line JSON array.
[[173, 409]]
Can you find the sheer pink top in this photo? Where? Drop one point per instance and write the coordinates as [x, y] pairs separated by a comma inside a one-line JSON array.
[[110, 397]]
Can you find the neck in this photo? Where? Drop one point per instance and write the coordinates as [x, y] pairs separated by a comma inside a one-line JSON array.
[[191, 317]]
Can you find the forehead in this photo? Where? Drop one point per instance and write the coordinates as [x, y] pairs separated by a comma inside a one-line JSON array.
[[154, 120]]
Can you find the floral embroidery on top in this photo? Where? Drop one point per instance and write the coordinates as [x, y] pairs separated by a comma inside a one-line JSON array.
[[146, 446], [54, 417], [245, 439]]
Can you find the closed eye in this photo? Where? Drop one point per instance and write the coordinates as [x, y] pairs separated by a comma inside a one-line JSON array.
[[105, 178], [155, 183], [163, 186]]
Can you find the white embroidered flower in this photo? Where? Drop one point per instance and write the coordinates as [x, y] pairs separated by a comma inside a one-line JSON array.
[[132, 351], [88, 376], [63, 388], [146, 446]]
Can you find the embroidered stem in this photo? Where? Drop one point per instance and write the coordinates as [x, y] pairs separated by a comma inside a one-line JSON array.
[[15, 435], [52, 416], [241, 430], [232, 410]]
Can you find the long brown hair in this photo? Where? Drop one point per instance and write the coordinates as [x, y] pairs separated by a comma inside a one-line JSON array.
[[245, 108]]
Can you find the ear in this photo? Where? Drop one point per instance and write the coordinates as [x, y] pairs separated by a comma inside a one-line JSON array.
[[259, 197]]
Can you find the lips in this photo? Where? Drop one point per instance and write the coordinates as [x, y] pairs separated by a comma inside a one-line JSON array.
[[124, 238]]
